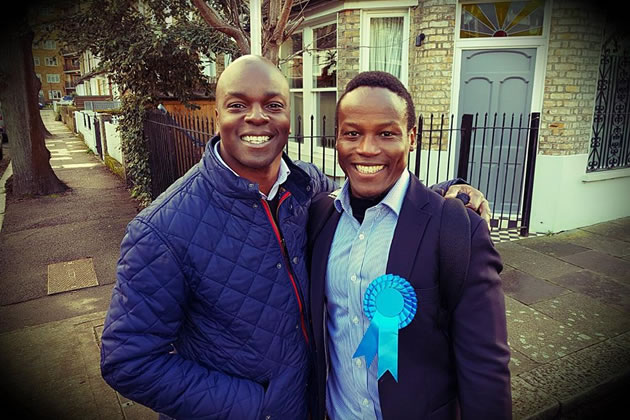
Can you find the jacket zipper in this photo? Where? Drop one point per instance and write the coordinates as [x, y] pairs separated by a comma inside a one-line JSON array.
[[286, 258]]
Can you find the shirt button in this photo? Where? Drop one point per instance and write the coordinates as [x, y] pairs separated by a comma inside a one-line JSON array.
[[278, 266], [295, 260], [255, 205], [355, 320], [251, 185], [354, 278], [366, 402], [361, 236], [357, 362]]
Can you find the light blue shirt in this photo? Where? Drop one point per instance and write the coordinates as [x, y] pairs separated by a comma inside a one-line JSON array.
[[358, 255], [283, 174]]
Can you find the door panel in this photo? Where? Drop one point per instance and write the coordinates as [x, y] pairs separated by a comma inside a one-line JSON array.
[[497, 83]]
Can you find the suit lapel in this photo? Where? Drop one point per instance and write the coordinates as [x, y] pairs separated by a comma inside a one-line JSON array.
[[319, 265], [412, 222]]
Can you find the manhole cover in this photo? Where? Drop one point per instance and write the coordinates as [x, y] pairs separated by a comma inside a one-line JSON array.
[[71, 275]]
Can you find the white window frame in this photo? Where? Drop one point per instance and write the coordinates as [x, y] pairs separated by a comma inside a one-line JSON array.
[[54, 94], [364, 55], [39, 76], [53, 78], [49, 60], [50, 44], [300, 90], [308, 84], [36, 61]]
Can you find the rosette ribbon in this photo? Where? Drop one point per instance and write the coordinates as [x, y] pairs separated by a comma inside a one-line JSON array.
[[390, 303]]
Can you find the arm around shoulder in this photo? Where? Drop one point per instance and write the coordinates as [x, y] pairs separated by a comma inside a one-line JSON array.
[[144, 318]]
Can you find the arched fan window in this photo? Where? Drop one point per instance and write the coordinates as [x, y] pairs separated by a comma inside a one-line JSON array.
[[502, 19]]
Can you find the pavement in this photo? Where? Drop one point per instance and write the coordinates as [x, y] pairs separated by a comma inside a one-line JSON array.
[[567, 302]]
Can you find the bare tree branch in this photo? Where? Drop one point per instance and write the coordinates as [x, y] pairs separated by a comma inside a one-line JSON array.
[[211, 17], [282, 20]]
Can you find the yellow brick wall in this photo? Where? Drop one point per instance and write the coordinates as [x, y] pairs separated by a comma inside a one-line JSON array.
[[348, 41], [571, 77], [431, 64]]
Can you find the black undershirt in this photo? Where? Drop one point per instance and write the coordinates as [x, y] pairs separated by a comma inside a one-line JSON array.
[[360, 205]]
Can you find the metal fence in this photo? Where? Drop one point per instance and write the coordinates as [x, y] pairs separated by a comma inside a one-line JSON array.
[[495, 154]]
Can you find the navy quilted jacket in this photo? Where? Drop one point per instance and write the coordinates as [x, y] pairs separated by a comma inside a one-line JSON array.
[[207, 318]]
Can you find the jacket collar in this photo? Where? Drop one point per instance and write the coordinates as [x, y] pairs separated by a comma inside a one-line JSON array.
[[226, 182]]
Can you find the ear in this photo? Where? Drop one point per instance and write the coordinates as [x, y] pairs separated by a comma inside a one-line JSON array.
[[413, 134], [217, 125]]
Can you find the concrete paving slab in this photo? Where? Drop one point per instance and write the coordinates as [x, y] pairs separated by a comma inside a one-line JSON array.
[[539, 337], [599, 262], [552, 246], [527, 288], [55, 308], [583, 375], [49, 371], [614, 229], [595, 241], [622, 340], [597, 286], [520, 363], [586, 314], [65, 242], [532, 403], [533, 262]]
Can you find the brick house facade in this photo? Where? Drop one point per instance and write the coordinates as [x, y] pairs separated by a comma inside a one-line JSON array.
[[564, 52]]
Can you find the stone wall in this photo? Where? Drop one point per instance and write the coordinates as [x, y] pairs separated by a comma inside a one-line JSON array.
[[571, 78]]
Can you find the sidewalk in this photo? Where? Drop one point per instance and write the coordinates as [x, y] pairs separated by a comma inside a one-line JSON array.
[[57, 267], [567, 301]]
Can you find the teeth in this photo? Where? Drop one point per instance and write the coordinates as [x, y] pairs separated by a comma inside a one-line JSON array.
[[256, 139], [371, 169]]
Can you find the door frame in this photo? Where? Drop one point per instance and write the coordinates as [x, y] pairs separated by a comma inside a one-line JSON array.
[[540, 43]]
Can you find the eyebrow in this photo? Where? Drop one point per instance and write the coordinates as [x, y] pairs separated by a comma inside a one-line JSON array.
[[386, 124], [243, 95]]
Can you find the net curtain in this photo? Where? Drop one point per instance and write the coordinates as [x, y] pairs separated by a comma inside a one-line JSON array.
[[386, 44]]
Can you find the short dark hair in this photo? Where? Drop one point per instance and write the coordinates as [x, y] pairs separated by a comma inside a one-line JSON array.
[[384, 80]]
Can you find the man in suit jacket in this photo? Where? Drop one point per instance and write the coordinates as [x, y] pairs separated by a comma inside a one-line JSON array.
[[386, 222]]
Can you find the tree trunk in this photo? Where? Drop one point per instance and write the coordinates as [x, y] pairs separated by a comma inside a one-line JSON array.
[[32, 173]]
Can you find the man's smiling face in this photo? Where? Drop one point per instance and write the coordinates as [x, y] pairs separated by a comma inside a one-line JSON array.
[[253, 116], [372, 139]]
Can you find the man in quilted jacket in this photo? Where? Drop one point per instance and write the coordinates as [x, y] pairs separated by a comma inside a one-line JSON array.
[[208, 317]]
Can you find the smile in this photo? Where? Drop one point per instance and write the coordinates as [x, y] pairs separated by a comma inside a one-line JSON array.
[[369, 169], [255, 139]]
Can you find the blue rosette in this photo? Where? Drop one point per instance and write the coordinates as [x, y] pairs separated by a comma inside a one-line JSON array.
[[390, 303]]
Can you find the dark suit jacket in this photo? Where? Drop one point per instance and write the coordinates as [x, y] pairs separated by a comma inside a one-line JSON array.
[[442, 373]]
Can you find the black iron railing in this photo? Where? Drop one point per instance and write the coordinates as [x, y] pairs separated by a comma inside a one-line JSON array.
[[496, 155]]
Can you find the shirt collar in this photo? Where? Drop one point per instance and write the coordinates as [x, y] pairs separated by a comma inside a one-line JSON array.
[[283, 174], [394, 198]]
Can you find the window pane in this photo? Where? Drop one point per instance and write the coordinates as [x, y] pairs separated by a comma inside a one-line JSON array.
[[297, 119], [386, 44], [291, 60], [325, 111], [509, 18], [325, 56]]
